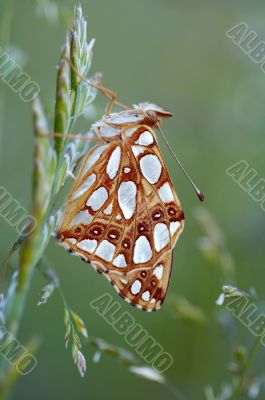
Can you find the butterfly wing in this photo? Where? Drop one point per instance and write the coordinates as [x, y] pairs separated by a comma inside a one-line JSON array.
[[123, 216]]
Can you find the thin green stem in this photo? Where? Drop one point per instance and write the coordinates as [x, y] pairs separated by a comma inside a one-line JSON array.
[[48, 178], [251, 356]]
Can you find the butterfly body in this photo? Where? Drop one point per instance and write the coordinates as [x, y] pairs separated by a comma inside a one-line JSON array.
[[123, 215]]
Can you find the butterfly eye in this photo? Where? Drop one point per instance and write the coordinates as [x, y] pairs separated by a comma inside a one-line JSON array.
[[152, 115]]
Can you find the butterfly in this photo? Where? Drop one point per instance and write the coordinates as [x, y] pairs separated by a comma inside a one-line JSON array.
[[123, 215]]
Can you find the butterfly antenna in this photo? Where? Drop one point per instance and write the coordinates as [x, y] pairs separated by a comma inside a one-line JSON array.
[[197, 190]]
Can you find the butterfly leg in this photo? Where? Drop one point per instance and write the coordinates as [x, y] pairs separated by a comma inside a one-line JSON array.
[[108, 93], [71, 136]]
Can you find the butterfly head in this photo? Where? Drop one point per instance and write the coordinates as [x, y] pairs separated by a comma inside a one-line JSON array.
[[143, 113], [153, 112]]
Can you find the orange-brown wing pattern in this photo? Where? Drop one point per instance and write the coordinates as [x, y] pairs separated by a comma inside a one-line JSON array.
[[123, 216]]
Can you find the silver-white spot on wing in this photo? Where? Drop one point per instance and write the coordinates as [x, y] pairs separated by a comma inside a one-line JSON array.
[[90, 180], [130, 132], [127, 198], [161, 236], [83, 217], [105, 129], [137, 150], [114, 163], [105, 250], [174, 227], [158, 271], [142, 250], [127, 170], [151, 168], [71, 240], [145, 139], [87, 245], [108, 210], [165, 193], [136, 287], [146, 295], [120, 261], [93, 158], [97, 198]]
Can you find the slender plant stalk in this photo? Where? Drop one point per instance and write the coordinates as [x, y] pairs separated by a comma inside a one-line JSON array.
[[54, 161], [12, 374], [250, 358]]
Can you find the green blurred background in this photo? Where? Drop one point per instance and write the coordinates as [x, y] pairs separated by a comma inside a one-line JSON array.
[[174, 53]]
